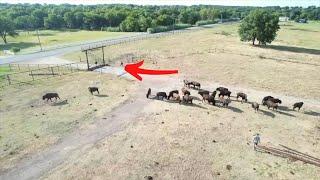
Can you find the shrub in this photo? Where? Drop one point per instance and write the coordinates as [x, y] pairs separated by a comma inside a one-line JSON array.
[[167, 28], [15, 49], [201, 23], [111, 29]]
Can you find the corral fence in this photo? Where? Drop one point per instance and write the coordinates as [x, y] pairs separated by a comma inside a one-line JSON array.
[[26, 74]]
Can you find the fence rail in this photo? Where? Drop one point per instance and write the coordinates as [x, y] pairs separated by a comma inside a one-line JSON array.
[[31, 73]]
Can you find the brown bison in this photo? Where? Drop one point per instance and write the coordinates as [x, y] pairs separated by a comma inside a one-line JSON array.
[[93, 89], [50, 96], [209, 98], [148, 93], [196, 84], [271, 104], [161, 95], [171, 93], [185, 91], [224, 102], [222, 89], [203, 92], [297, 105], [255, 106], [225, 93], [186, 99], [243, 96], [176, 97]]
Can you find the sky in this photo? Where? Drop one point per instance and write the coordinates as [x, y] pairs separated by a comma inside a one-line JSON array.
[[303, 3]]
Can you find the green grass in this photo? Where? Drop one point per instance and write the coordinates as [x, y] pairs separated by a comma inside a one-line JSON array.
[[28, 41], [4, 69]]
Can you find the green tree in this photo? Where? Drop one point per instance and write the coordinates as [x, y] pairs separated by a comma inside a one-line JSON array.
[[6, 28], [130, 24], [53, 21], [259, 25]]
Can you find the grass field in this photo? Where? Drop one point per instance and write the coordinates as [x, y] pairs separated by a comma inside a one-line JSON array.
[[30, 124], [28, 41]]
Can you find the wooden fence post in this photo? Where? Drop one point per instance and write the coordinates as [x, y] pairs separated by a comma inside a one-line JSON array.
[[32, 75], [52, 71], [8, 78]]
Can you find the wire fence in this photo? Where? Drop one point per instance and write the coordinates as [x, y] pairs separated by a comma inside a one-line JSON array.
[[29, 73]]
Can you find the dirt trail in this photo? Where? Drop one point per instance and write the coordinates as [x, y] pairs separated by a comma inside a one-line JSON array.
[[36, 165]]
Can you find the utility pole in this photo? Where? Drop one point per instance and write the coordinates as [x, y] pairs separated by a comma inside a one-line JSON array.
[[221, 18], [39, 39]]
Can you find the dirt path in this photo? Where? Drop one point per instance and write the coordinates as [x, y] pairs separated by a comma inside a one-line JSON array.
[[38, 164]]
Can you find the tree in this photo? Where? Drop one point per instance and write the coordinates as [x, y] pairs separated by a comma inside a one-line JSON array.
[[130, 24], [259, 25], [53, 21], [6, 28]]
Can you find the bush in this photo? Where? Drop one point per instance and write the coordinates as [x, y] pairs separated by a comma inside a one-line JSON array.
[[201, 23], [15, 49], [111, 29], [167, 28]]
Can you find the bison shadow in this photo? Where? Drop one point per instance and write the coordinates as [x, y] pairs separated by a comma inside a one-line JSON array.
[[267, 113], [101, 95], [287, 114], [61, 103], [194, 105], [234, 109], [312, 113], [293, 49], [284, 108]]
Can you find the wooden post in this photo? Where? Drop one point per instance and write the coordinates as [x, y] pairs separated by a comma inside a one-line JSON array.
[[8, 78], [87, 59], [52, 71], [32, 76], [104, 63]]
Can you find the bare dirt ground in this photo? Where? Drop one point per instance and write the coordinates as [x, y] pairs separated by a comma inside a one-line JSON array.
[[145, 137]]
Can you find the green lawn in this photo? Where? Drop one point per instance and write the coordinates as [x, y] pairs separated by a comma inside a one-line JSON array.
[[4, 69], [28, 41]]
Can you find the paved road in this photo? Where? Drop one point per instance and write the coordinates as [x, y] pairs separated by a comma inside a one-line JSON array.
[[77, 47]]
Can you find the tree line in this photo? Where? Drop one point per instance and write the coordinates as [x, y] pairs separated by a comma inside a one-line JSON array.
[[126, 18]]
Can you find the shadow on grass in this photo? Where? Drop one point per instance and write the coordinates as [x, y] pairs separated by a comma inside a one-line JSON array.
[[300, 29], [21, 45], [234, 109], [284, 108], [267, 113], [287, 114], [312, 113], [61, 103], [293, 49], [101, 95]]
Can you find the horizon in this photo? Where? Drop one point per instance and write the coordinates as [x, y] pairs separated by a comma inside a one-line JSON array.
[[253, 3]]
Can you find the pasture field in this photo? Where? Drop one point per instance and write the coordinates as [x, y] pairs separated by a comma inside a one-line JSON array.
[[28, 41], [168, 140], [29, 125]]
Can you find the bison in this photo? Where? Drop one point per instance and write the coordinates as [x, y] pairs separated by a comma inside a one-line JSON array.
[[255, 106], [93, 89], [265, 99], [271, 104], [196, 84], [186, 99], [161, 95], [224, 102], [243, 96], [225, 93], [209, 98], [203, 92], [171, 93], [148, 93], [297, 105], [222, 89], [50, 96]]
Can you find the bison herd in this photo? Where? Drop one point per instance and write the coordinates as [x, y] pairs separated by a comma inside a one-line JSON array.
[[223, 98]]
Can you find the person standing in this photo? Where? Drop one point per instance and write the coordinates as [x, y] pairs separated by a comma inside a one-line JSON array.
[[256, 141]]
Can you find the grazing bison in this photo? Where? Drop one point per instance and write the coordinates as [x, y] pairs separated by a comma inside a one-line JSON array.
[[196, 84], [297, 105], [209, 98], [222, 89], [243, 96], [187, 83], [161, 95], [171, 93], [148, 93], [187, 99], [93, 89], [224, 102], [176, 97], [271, 104], [50, 96], [203, 92], [214, 94], [255, 106], [275, 100], [225, 93], [185, 91], [265, 99]]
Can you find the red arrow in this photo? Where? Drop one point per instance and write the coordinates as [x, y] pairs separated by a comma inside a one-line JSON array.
[[135, 70]]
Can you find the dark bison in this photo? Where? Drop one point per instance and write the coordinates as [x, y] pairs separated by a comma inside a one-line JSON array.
[[161, 95], [50, 96], [297, 105], [148, 93], [186, 99], [209, 98], [222, 89], [196, 84], [185, 91], [203, 92], [275, 100], [187, 83], [176, 97], [265, 99], [225, 93], [255, 106], [271, 104], [224, 102], [243, 96], [214, 94], [93, 89], [171, 93]]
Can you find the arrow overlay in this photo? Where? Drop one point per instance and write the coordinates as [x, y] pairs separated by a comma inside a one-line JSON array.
[[135, 70]]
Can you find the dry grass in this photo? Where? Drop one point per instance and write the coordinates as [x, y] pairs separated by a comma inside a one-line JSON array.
[[198, 142], [28, 124]]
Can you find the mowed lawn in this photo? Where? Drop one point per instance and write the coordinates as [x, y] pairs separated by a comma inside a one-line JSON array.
[[28, 41]]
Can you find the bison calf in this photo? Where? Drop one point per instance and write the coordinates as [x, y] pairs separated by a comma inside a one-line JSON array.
[[297, 105], [50, 96], [255, 106], [93, 89]]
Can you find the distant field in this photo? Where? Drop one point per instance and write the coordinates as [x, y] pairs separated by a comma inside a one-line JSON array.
[[28, 41]]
